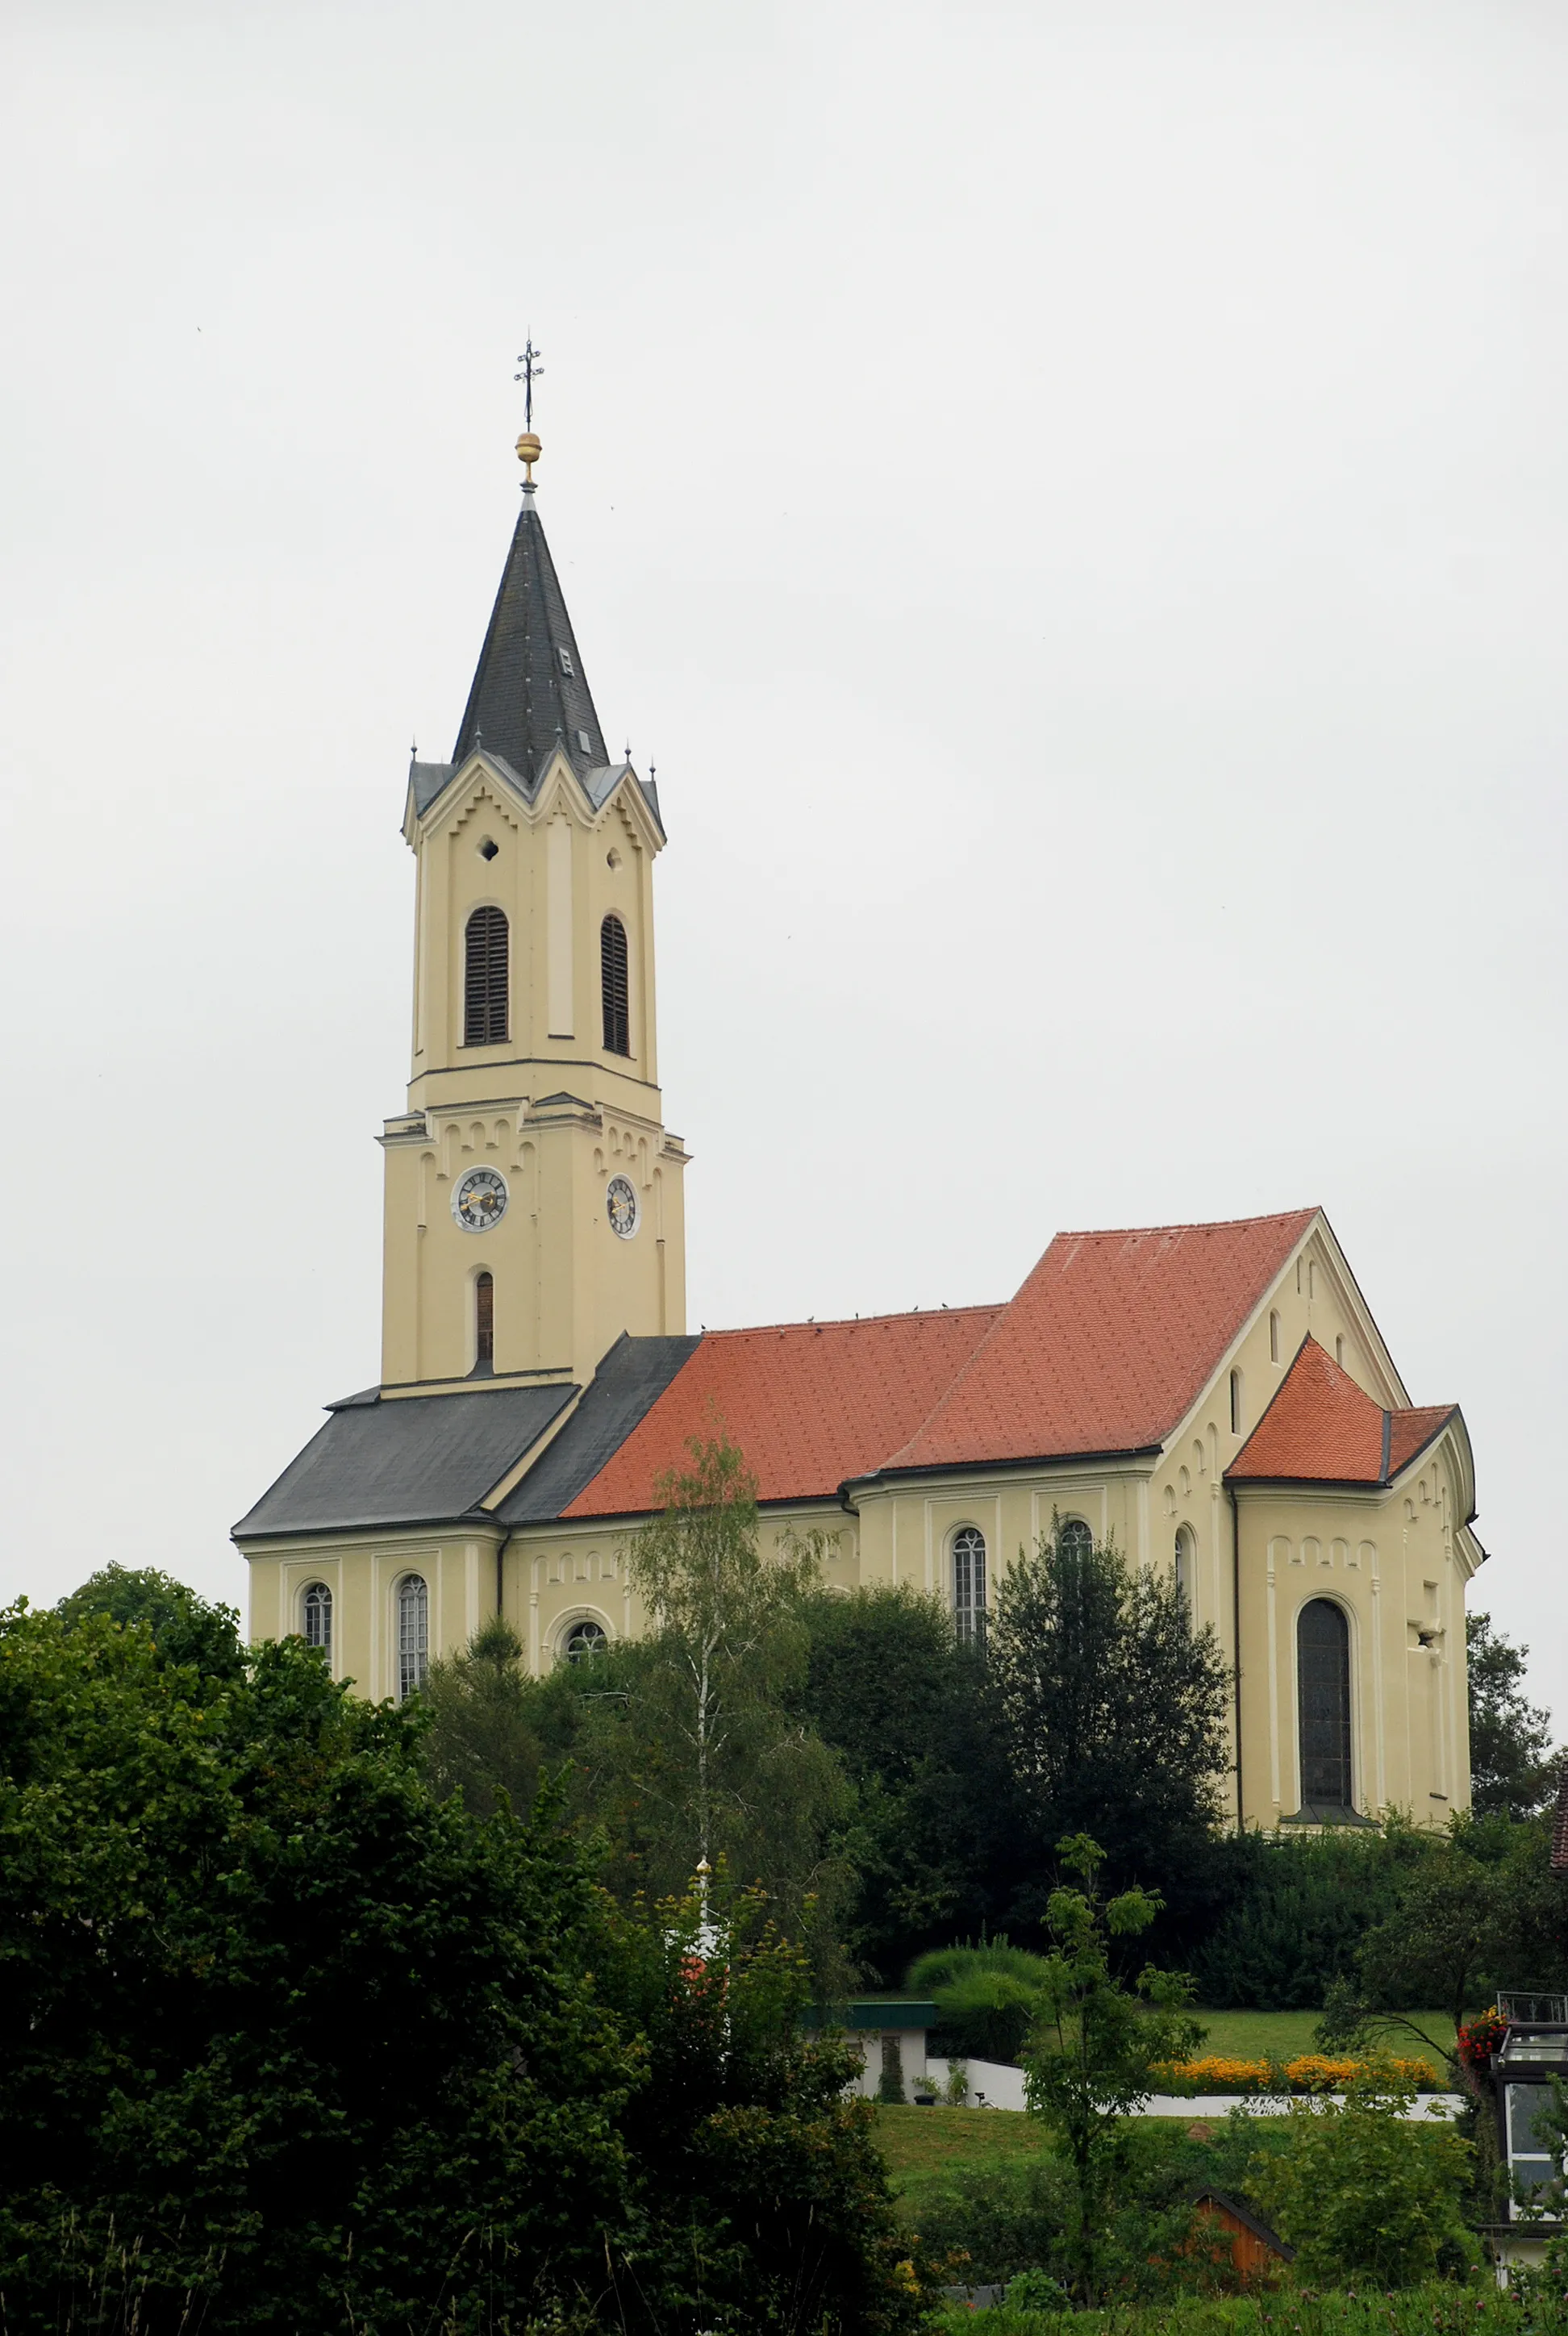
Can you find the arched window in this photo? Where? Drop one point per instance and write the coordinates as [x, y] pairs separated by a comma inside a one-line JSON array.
[[318, 1617], [483, 1322], [970, 1583], [584, 1640], [1186, 1554], [1074, 1538], [413, 1634], [1323, 1678], [613, 984], [484, 983], [1235, 1403]]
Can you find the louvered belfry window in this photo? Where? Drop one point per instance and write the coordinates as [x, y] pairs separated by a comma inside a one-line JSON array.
[[484, 1321], [613, 982], [484, 1020]]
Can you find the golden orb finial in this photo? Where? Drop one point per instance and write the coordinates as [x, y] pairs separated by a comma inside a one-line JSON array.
[[528, 454]]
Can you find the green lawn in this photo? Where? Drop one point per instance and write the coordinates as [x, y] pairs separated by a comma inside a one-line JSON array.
[[1282, 2035], [920, 2144], [923, 2145]]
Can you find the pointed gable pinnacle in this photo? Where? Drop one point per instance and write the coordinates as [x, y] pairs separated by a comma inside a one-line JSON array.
[[529, 694]]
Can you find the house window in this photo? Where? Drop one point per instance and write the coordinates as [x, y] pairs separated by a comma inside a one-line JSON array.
[[1274, 1336], [1235, 1403], [1323, 1681], [583, 1640], [412, 1635], [1074, 1538], [484, 982], [969, 1584], [318, 1617], [613, 985], [483, 1322], [1186, 1551]]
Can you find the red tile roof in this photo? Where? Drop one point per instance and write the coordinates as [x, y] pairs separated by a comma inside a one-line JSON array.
[[1106, 1346], [1110, 1341], [809, 1404], [1322, 1428]]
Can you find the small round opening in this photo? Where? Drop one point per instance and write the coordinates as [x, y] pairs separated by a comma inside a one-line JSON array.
[[612, 859], [488, 850]]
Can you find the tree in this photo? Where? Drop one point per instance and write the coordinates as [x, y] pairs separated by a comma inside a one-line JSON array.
[[288, 2045], [775, 2211], [894, 1693], [1362, 2194], [1094, 2042], [1114, 1710], [705, 1757], [1512, 1768], [293, 2046], [483, 1739], [183, 1627]]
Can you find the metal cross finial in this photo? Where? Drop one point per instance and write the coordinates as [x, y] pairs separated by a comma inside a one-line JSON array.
[[531, 369]]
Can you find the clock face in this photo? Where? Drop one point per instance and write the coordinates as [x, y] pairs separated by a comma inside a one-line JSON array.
[[479, 1201], [621, 1206]]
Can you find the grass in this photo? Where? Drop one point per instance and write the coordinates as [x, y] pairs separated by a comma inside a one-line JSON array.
[[1282, 2035], [1412, 2312], [923, 2145]]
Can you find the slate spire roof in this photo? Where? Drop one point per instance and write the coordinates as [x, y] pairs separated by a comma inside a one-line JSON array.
[[528, 687]]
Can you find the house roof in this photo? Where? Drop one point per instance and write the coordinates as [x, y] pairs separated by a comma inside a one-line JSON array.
[[1103, 1350], [411, 1460], [530, 692], [810, 1404], [1108, 1343], [627, 1383], [1321, 1427]]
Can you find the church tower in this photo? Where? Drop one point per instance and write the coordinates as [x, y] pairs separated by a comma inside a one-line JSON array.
[[533, 1199]]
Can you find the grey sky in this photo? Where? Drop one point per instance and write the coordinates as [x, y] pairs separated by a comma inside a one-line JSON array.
[[1072, 498]]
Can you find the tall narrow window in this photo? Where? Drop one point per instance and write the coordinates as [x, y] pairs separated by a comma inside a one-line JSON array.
[[613, 983], [1186, 1550], [483, 1322], [318, 1617], [484, 982], [1235, 1403], [1274, 1336], [969, 1584], [412, 1635], [1323, 1682]]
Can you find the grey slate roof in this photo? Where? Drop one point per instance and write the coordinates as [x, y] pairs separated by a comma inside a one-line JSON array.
[[627, 1383], [523, 695], [412, 1460]]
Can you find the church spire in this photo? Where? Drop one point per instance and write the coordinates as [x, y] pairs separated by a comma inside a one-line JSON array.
[[530, 692]]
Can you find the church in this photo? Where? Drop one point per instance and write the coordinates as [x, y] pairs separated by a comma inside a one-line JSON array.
[[1217, 1398]]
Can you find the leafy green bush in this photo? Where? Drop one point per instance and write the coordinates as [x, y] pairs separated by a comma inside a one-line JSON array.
[[991, 2226], [986, 1997], [1363, 2195], [1300, 1910]]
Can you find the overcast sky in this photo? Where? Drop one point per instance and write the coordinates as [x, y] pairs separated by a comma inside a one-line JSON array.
[[1070, 495]]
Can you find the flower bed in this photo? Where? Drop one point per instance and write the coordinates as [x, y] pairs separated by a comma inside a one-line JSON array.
[[1310, 2072]]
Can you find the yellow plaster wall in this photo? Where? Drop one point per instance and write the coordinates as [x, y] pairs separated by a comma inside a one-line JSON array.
[[565, 1286]]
